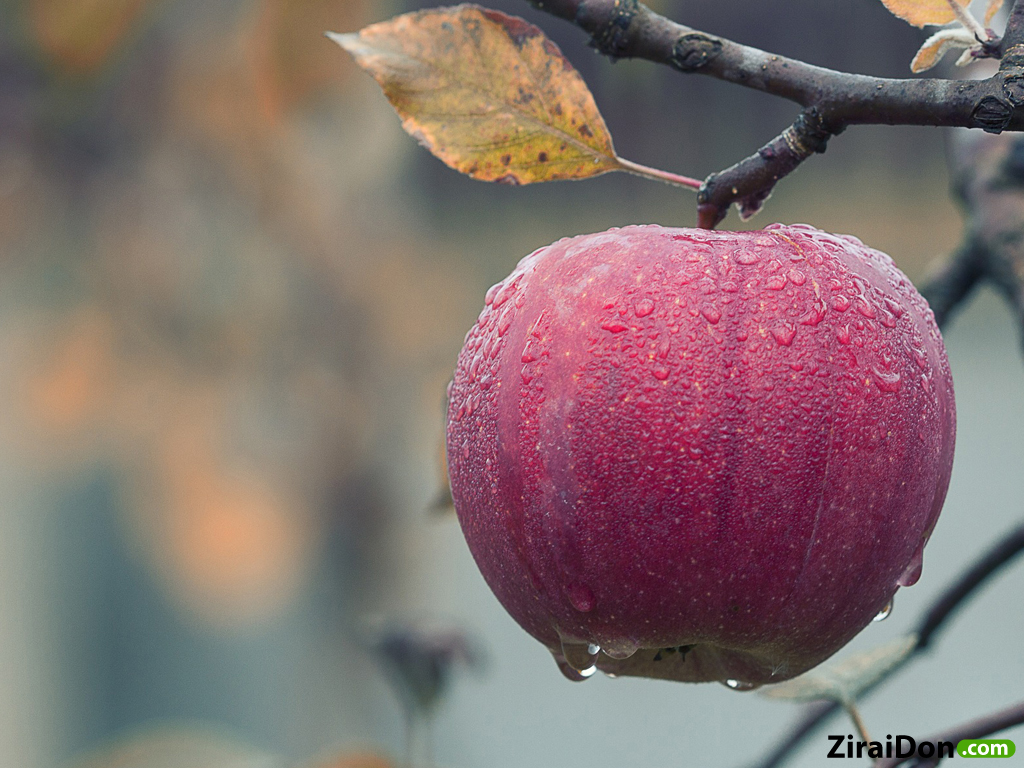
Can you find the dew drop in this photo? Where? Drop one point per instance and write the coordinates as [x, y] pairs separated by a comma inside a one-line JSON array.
[[926, 384], [746, 257], [582, 657], [644, 307], [776, 283], [614, 326], [912, 573], [919, 357], [620, 650], [489, 296], [865, 309], [568, 672], [894, 307], [840, 303], [797, 277], [581, 597], [661, 373], [711, 314], [883, 614], [843, 334], [784, 334], [887, 381], [738, 685]]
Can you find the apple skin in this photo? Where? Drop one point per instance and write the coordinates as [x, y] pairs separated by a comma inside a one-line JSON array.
[[716, 455]]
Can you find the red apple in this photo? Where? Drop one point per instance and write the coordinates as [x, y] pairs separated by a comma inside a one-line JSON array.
[[700, 455]]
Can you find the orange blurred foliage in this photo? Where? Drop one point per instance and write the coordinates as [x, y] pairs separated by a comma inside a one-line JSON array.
[[79, 36], [77, 378]]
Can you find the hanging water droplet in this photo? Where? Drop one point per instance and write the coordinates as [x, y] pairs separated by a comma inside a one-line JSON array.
[[622, 649], [884, 613], [581, 656], [568, 672], [738, 685], [912, 572]]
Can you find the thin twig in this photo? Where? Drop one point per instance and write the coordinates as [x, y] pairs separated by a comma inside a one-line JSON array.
[[975, 729], [627, 28], [858, 721], [935, 618]]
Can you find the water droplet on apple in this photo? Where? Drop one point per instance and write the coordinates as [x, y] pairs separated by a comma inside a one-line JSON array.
[[865, 309], [887, 381], [581, 597], [644, 307], [746, 256], [622, 649], [581, 656], [711, 314], [840, 303], [738, 685], [489, 296], [614, 326], [883, 614], [912, 573], [568, 672], [784, 334]]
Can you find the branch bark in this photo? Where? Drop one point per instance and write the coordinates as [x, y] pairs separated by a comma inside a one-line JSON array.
[[831, 100], [975, 729]]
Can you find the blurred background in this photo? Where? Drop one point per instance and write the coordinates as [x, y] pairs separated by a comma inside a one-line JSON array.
[[231, 294]]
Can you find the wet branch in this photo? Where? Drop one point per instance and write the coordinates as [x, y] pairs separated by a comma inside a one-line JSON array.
[[975, 729], [988, 182], [831, 100], [934, 619]]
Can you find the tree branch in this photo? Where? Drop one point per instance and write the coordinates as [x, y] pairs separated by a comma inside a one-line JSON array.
[[934, 619], [988, 182], [831, 100], [975, 729]]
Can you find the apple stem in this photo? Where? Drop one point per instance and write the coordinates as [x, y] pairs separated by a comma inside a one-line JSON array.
[[653, 173]]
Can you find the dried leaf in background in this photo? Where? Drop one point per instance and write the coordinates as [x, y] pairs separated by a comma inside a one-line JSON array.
[[922, 13], [489, 94]]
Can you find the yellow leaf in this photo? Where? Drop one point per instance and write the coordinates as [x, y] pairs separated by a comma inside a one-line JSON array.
[[993, 9], [489, 94], [935, 48], [923, 13]]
